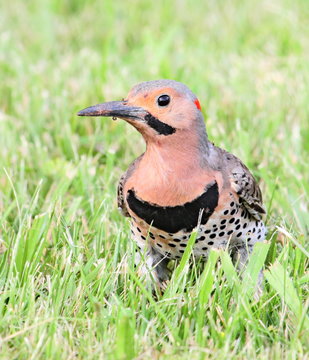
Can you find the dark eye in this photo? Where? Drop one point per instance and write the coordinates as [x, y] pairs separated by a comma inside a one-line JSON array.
[[163, 100]]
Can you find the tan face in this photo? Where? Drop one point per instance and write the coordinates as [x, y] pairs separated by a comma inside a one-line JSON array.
[[167, 105], [160, 110]]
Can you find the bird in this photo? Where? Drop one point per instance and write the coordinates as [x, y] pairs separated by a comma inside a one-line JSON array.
[[182, 183]]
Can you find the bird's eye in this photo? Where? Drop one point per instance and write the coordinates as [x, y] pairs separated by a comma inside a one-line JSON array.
[[163, 100]]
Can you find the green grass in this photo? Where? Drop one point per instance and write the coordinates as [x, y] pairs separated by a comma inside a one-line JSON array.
[[68, 288]]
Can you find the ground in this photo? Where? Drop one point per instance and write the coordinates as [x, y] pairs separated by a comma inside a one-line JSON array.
[[68, 287]]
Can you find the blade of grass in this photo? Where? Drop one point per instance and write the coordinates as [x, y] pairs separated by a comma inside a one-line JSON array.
[[253, 268], [279, 279]]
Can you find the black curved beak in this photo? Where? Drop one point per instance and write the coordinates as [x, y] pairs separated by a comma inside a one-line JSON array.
[[114, 109]]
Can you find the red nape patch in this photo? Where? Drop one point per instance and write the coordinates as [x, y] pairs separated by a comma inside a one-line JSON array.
[[197, 104]]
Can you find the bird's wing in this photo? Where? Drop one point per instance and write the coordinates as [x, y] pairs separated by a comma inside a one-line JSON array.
[[246, 187], [120, 195]]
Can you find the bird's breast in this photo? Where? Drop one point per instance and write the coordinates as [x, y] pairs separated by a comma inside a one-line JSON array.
[[175, 218], [169, 189]]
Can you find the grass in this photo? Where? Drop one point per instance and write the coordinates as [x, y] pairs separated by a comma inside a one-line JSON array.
[[68, 288]]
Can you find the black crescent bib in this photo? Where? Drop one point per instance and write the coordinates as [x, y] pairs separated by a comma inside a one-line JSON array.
[[172, 219]]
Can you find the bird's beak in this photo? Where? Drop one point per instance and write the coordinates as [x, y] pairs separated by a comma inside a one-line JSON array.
[[115, 109]]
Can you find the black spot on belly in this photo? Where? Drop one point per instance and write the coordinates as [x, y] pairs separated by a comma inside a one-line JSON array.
[[175, 218]]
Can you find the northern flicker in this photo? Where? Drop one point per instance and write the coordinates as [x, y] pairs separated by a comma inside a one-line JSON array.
[[182, 182]]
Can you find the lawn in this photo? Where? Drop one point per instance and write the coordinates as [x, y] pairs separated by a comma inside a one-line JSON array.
[[68, 287]]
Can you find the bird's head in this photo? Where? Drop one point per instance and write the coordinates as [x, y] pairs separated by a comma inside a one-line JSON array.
[[158, 109]]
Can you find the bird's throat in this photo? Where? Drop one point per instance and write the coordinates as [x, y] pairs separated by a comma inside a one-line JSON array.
[[170, 175]]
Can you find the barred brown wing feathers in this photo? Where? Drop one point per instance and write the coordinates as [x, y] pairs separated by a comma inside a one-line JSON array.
[[246, 187]]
